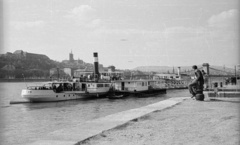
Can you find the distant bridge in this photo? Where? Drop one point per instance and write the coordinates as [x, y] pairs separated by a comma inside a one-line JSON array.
[[213, 72]]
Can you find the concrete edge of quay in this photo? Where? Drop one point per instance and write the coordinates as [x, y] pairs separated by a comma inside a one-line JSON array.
[[84, 131], [223, 96]]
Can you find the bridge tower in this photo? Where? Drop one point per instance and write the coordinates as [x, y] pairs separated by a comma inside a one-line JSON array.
[[206, 78], [206, 68]]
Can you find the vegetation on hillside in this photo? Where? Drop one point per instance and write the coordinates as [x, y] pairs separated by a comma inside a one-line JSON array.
[[17, 66]]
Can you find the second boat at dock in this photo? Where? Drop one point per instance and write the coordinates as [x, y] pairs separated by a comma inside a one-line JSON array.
[[138, 87]]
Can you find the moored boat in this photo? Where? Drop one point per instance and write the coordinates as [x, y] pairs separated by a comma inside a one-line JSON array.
[[128, 87], [60, 91], [173, 81]]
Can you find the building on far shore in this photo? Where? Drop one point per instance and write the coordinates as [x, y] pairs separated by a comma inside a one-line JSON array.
[[81, 72], [108, 74], [71, 63], [166, 76], [67, 71], [21, 53], [77, 64]]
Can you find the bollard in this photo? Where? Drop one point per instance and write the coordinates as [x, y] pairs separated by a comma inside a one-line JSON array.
[[200, 97]]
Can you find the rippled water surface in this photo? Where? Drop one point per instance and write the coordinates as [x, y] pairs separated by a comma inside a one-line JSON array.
[[24, 123]]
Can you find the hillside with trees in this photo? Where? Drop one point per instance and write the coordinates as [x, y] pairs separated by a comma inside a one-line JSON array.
[[21, 64], [30, 65]]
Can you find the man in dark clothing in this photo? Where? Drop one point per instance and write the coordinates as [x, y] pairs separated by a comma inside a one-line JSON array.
[[197, 83]]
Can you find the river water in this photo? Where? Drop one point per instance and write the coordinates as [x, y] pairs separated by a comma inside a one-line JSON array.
[[21, 124]]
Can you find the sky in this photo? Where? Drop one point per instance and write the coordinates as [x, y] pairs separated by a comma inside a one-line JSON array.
[[125, 33]]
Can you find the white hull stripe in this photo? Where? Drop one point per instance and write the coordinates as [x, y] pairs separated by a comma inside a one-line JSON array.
[[95, 59]]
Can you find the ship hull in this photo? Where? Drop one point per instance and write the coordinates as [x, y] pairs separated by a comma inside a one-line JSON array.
[[51, 96]]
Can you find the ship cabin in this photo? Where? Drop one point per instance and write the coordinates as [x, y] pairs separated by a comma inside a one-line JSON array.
[[167, 76], [55, 86], [97, 87], [172, 80], [137, 85], [82, 76], [91, 87], [73, 86]]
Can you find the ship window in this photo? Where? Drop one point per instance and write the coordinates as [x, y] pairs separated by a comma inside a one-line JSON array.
[[106, 85], [99, 85]]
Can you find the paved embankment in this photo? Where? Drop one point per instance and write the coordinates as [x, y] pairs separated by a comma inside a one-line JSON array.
[[224, 94], [190, 123], [82, 132], [230, 92]]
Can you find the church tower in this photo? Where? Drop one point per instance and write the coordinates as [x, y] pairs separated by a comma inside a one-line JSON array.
[[71, 57]]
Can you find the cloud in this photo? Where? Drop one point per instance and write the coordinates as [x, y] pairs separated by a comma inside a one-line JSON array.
[[83, 12], [183, 32], [227, 19], [23, 25], [84, 15], [224, 25], [127, 31], [94, 23]]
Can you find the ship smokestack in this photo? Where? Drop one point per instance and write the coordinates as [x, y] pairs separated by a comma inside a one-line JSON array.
[[179, 71], [96, 72]]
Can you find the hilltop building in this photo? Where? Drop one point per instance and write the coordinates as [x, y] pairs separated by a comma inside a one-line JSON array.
[[71, 59], [78, 64], [21, 53], [73, 64]]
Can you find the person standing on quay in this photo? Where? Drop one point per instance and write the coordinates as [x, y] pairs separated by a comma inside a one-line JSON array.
[[197, 83]]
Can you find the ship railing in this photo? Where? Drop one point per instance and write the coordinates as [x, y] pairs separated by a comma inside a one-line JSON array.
[[39, 88]]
